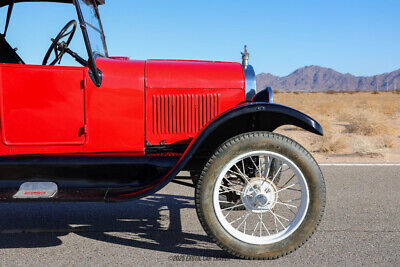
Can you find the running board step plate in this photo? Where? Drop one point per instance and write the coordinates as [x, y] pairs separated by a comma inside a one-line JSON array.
[[35, 190]]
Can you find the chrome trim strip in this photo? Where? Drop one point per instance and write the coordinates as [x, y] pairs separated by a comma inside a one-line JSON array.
[[270, 95], [250, 82]]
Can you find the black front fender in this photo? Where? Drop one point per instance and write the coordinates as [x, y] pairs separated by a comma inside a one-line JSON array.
[[244, 118], [249, 117], [276, 115]]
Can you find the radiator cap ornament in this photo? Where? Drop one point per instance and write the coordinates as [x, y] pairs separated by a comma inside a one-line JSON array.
[[245, 57]]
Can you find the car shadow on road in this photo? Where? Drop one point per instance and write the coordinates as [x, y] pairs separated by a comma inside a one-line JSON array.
[[153, 223]]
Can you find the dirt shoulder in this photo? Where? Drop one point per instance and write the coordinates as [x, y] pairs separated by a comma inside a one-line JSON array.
[[358, 127]]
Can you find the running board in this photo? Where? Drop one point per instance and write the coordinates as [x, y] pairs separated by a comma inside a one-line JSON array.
[[80, 178], [35, 190]]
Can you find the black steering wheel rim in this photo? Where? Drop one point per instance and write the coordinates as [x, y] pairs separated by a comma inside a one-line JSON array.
[[55, 43]]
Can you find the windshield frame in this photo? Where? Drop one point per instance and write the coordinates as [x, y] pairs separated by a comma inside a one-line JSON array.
[[95, 74]]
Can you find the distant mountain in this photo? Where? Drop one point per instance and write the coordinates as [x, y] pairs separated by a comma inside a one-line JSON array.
[[316, 78]]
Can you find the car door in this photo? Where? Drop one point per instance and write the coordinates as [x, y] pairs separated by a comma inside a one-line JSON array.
[[42, 105]]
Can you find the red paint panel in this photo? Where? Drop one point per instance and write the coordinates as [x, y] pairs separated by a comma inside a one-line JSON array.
[[42, 105], [116, 110], [184, 74], [184, 112], [114, 114]]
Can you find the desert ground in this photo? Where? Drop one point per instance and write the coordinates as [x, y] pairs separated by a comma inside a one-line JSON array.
[[358, 126]]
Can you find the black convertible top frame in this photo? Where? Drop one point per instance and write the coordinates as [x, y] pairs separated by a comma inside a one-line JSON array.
[[94, 73]]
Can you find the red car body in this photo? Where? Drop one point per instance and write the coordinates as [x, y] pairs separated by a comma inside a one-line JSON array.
[[130, 134], [138, 101]]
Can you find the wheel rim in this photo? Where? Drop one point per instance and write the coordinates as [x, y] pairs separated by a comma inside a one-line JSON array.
[[274, 207]]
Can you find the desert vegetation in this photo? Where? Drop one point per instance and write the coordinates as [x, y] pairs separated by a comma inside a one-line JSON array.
[[355, 124]]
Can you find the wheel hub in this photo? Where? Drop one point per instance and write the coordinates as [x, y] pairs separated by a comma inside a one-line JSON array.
[[259, 195]]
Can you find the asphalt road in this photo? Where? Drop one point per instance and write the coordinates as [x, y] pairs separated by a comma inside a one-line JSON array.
[[361, 226]]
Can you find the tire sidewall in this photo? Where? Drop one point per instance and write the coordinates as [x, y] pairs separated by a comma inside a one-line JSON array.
[[254, 142]]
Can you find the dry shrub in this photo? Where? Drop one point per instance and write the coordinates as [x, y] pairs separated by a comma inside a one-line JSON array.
[[333, 143], [369, 124], [383, 104], [344, 115], [331, 92], [356, 122], [327, 109], [326, 124], [384, 141], [369, 104], [362, 146], [390, 108]]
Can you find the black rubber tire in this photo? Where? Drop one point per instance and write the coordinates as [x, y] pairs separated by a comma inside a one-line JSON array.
[[250, 142]]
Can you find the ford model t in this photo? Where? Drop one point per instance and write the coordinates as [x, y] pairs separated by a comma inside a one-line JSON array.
[[117, 129]]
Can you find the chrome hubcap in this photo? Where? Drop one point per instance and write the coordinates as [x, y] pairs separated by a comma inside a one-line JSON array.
[[259, 196]]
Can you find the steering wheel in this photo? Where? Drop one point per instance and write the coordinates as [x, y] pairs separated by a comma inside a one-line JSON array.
[[58, 47]]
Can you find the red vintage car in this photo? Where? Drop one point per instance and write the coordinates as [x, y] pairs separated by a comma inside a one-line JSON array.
[[118, 129]]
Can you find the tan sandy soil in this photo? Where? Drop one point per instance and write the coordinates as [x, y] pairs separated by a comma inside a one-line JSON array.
[[358, 127]]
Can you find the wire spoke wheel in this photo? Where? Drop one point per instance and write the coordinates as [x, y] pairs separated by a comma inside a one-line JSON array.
[[261, 195], [273, 208]]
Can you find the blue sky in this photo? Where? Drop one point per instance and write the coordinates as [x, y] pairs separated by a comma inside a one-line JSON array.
[[361, 37]]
